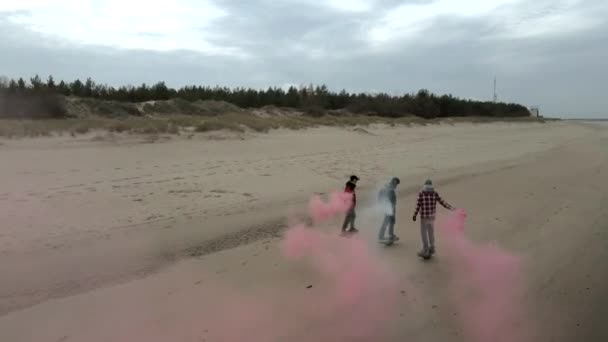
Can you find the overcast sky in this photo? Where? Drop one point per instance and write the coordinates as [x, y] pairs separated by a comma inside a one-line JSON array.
[[551, 53]]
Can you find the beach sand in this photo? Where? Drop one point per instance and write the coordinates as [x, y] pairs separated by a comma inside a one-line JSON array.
[[123, 239]]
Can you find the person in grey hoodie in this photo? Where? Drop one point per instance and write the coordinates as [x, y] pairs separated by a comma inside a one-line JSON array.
[[426, 207], [388, 200]]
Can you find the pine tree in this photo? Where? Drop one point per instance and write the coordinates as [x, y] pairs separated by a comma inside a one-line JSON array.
[[36, 82], [50, 83], [77, 88], [89, 85], [63, 88], [13, 86]]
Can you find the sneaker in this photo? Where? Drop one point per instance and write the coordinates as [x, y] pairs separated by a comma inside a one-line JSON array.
[[423, 254], [432, 250], [395, 238], [353, 230]]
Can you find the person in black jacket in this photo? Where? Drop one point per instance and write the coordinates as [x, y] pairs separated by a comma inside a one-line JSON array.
[[388, 201], [350, 214]]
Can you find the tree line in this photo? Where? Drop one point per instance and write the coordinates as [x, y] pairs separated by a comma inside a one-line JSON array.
[[311, 99]]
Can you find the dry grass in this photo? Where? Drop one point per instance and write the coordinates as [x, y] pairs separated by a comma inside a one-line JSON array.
[[209, 126], [237, 122], [173, 116], [485, 119], [38, 128]]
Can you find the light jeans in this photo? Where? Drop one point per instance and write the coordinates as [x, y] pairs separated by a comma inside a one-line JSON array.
[[427, 232], [389, 222]]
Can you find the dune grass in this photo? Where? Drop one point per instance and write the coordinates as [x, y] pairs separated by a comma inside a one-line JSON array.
[[236, 122], [41, 128]]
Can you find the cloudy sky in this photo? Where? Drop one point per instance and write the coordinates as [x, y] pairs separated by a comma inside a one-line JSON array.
[[551, 53]]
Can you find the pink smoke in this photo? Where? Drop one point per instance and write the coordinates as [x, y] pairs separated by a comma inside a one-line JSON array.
[[360, 290], [339, 202], [352, 294], [485, 285]]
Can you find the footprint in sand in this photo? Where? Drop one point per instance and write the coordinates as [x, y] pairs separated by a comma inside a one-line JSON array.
[[153, 217], [219, 191]]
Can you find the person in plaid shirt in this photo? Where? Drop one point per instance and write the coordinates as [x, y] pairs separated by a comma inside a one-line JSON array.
[[426, 207]]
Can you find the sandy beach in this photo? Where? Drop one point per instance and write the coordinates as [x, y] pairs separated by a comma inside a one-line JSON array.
[[116, 238]]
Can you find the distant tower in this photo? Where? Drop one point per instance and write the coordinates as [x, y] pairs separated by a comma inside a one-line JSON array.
[[495, 96], [535, 111]]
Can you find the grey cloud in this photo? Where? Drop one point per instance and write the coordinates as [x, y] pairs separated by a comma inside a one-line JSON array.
[[267, 27], [27, 54]]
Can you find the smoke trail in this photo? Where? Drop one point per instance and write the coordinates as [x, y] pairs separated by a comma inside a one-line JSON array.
[[486, 286], [355, 292], [339, 203], [359, 301], [354, 296]]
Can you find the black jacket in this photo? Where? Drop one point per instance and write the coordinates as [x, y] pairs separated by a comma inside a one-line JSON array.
[[350, 188]]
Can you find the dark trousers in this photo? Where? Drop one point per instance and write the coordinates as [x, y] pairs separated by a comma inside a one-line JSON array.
[[389, 222], [349, 220]]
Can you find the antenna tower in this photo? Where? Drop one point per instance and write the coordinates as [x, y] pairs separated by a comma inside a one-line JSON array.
[[495, 96]]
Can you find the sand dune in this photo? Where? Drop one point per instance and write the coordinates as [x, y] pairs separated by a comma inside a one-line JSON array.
[[97, 236]]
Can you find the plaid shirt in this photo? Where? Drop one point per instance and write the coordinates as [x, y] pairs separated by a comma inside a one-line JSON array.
[[427, 204]]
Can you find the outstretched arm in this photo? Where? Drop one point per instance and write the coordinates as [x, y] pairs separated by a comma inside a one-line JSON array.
[[444, 203], [418, 206]]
